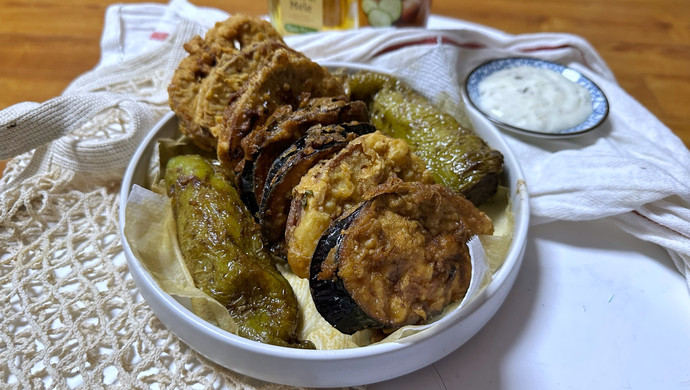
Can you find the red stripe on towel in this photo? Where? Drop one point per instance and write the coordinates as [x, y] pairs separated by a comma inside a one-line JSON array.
[[158, 36], [430, 41], [465, 45]]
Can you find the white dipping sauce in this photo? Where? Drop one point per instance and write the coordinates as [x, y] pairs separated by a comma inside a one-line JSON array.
[[534, 99]]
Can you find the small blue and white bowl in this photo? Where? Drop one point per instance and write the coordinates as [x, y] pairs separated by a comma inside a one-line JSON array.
[[600, 105]]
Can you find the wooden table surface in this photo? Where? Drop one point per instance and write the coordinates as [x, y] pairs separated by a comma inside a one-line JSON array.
[[46, 44]]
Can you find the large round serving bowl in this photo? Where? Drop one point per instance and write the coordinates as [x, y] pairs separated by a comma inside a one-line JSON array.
[[331, 368]]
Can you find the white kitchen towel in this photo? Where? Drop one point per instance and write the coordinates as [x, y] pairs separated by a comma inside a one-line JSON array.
[[69, 296], [633, 169]]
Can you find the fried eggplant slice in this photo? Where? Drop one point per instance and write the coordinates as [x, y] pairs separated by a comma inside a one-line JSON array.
[[335, 185], [320, 142], [397, 259], [220, 44], [285, 80], [265, 143], [457, 156], [223, 251]]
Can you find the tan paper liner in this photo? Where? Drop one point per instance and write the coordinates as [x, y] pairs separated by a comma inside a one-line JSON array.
[[150, 231]]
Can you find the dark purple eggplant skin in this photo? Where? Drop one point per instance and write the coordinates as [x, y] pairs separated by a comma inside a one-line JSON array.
[[331, 298], [255, 176], [276, 201], [246, 187], [252, 171], [286, 173], [359, 128]]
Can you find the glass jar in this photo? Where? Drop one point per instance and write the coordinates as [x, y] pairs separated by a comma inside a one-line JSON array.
[[398, 13], [302, 16]]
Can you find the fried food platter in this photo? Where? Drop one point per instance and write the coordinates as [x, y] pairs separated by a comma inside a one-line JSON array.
[[301, 222], [327, 368]]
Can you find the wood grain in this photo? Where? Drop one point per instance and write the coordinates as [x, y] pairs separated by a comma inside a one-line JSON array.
[[45, 44]]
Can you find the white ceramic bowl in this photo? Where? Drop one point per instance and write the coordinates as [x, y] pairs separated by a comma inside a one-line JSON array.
[[333, 368], [600, 105]]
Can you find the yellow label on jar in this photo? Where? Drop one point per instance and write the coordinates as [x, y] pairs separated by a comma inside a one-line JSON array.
[[301, 16]]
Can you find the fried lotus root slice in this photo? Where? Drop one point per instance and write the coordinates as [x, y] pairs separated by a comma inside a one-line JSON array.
[[397, 259], [226, 81], [335, 185], [265, 143], [240, 30], [457, 156], [320, 142], [222, 249], [225, 38], [286, 80]]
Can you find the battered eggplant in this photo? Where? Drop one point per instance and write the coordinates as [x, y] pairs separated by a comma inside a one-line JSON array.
[[335, 185], [320, 143], [396, 259], [265, 143], [458, 157], [223, 251]]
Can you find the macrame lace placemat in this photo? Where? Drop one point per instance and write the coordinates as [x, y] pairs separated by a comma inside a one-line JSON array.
[[72, 316]]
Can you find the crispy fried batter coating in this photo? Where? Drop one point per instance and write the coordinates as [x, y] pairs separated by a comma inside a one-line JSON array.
[[241, 30], [218, 55], [334, 186], [319, 143], [285, 126], [402, 256], [226, 81], [287, 79]]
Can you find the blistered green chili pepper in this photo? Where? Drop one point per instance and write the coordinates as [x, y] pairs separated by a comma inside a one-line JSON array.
[[458, 157], [222, 248]]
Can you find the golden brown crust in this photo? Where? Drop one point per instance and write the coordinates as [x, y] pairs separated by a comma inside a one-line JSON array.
[[220, 46], [404, 257], [319, 143], [241, 30], [244, 94], [265, 143], [334, 186], [225, 83], [287, 79]]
